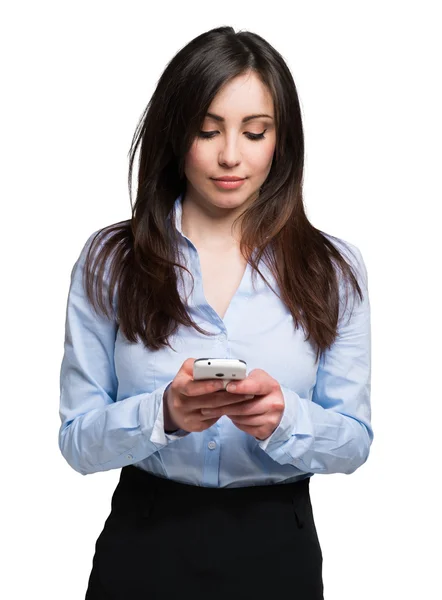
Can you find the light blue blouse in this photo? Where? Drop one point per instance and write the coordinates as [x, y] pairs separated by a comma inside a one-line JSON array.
[[111, 391]]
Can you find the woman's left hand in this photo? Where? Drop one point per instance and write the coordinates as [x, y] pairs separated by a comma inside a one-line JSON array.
[[261, 415]]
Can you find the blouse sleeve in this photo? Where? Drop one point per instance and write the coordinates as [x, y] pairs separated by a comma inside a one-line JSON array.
[[332, 432], [97, 432]]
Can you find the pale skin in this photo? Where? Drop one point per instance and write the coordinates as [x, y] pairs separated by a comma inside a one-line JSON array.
[[207, 220], [186, 399]]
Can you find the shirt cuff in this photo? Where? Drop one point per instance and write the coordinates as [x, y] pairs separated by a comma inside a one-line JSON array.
[[286, 426]]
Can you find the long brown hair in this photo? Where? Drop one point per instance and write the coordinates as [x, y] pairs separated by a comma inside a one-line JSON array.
[[139, 255]]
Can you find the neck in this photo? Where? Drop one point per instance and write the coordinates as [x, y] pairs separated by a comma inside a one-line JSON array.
[[208, 230]]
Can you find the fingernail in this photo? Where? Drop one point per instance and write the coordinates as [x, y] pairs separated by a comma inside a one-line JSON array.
[[231, 387], [249, 397]]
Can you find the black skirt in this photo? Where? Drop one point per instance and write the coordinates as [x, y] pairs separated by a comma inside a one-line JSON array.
[[164, 539]]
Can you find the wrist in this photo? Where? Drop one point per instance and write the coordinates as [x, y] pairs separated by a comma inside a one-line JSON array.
[[169, 423]]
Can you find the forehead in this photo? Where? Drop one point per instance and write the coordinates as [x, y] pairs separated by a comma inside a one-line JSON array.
[[243, 95]]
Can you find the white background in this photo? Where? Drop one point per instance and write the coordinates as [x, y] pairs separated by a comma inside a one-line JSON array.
[[76, 77]]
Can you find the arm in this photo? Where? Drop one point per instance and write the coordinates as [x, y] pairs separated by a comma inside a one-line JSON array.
[[332, 433], [97, 433]]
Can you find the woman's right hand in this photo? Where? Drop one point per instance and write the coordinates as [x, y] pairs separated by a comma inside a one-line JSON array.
[[185, 398]]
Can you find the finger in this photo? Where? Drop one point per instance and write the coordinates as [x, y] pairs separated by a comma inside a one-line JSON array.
[[249, 386], [221, 399], [213, 400], [250, 408], [193, 388], [249, 421], [186, 369]]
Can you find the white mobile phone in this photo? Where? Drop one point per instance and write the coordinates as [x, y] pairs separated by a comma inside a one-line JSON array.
[[226, 369]]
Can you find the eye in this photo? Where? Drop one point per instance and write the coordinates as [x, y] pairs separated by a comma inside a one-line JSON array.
[[207, 135]]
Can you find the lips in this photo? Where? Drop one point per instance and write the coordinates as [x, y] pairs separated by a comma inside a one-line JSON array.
[[228, 178], [229, 184]]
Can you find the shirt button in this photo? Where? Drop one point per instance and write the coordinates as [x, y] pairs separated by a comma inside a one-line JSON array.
[[211, 445], [129, 456]]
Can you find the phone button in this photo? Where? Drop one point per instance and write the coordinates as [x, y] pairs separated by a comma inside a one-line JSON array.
[[211, 445]]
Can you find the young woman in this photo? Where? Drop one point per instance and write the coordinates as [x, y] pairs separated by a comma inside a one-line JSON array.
[[213, 496]]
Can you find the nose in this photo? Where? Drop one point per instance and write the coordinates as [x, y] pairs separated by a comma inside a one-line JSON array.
[[229, 154]]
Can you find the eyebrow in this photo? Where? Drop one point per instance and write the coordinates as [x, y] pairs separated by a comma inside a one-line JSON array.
[[249, 118]]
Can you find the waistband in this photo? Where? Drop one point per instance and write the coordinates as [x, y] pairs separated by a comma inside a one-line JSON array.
[[145, 482]]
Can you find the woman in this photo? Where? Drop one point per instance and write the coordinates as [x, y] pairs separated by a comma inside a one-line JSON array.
[[216, 503]]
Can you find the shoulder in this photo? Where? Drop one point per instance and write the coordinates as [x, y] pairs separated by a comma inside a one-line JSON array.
[[346, 248], [109, 236], [113, 231], [351, 254], [95, 258]]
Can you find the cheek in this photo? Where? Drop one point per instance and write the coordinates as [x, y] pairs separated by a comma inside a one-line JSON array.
[[196, 160], [263, 158]]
